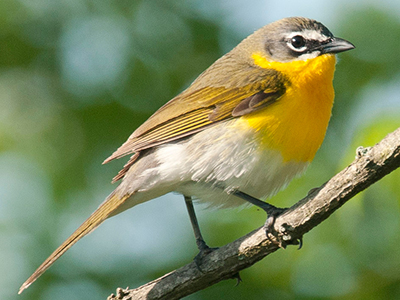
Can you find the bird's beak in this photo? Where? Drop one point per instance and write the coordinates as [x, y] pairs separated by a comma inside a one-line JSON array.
[[336, 45]]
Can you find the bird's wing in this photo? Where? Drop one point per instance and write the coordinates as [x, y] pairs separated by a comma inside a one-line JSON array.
[[194, 110]]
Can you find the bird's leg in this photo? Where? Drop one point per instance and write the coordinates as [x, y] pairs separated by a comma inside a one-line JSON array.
[[272, 211], [201, 244]]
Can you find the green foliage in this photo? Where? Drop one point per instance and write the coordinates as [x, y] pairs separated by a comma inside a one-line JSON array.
[[77, 77]]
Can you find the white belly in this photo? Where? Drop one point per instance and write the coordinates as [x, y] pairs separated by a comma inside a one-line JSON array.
[[219, 159]]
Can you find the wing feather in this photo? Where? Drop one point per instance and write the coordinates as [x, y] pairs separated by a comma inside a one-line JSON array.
[[194, 110]]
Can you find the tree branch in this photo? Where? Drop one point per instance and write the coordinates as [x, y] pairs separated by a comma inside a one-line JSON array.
[[370, 165]]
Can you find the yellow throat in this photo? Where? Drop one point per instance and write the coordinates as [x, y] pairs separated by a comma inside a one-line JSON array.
[[296, 124]]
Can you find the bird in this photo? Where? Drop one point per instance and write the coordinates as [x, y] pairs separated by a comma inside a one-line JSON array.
[[241, 131]]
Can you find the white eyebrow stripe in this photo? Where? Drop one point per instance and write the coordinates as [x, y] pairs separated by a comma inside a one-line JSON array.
[[309, 35]]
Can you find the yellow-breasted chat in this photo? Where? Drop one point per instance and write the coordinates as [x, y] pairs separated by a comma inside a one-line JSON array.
[[238, 134]]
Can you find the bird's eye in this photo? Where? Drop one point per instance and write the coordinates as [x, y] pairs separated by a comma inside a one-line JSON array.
[[298, 42]]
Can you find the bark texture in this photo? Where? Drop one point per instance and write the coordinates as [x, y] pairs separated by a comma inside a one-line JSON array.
[[369, 166]]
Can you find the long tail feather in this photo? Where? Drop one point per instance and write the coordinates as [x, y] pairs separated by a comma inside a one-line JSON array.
[[98, 216]]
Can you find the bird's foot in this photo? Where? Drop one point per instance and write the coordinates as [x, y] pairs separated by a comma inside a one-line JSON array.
[[204, 250], [281, 237]]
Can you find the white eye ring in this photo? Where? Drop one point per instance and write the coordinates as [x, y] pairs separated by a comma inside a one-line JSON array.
[[297, 43]]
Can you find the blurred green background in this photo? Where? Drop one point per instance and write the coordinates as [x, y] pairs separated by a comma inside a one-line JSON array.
[[78, 76]]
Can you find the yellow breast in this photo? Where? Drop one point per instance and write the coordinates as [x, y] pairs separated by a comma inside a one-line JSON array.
[[296, 124]]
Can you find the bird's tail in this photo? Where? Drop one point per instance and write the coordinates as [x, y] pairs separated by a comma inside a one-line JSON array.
[[105, 210]]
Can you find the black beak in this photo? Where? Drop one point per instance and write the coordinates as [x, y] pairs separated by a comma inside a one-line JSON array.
[[336, 45]]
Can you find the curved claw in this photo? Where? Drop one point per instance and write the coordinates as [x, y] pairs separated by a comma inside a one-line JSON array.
[[300, 243], [273, 213], [238, 278], [204, 251]]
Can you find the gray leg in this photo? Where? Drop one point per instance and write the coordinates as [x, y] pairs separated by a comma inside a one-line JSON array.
[[201, 244], [272, 211]]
